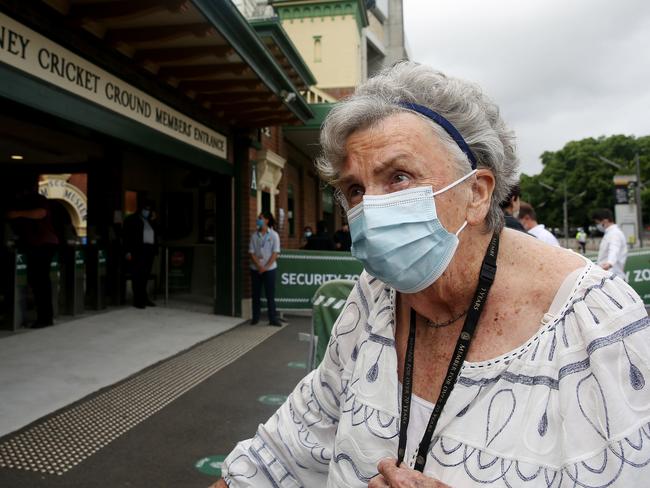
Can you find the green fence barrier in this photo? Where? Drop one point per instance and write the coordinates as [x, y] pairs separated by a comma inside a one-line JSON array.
[[300, 273], [328, 305], [637, 271], [21, 269]]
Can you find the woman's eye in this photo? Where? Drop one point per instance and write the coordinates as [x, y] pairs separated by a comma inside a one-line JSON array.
[[355, 194], [400, 178]]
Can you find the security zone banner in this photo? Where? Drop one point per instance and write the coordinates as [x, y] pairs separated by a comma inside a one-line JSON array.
[[637, 272], [300, 273]]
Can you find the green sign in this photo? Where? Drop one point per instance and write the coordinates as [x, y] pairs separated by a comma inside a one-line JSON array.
[[211, 465], [273, 400], [21, 263], [300, 273], [79, 258], [637, 272], [21, 269], [180, 268]]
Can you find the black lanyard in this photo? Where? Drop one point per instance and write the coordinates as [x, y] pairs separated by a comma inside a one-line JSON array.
[[486, 278], [262, 238]]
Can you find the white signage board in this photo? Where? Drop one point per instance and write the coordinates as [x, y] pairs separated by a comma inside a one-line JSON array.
[[626, 219], [28, 51]]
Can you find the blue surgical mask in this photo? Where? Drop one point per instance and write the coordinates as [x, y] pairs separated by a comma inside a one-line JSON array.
[[307, 234], [601, 228], [399, 238], [260, 223], [145, 213]]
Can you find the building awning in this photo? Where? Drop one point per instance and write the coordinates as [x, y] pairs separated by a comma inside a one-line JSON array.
[[306, 137], [286, 54], [204, 49]]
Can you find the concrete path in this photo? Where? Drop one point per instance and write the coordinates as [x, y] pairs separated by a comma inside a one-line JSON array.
[[44, 370]]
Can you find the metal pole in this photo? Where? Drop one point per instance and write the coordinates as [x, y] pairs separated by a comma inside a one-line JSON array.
[[637, 194], [566, 217]]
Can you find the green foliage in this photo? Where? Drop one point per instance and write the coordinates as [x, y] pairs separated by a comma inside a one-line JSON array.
[[578, 167]]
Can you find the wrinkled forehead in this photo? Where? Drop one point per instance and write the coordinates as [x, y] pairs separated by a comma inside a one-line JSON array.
[[403, 137], [397, 128]]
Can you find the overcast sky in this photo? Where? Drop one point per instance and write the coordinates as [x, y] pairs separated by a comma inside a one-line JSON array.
[[560, 70]]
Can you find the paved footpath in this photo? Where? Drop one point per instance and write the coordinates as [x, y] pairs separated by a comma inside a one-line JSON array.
[[167, 425]]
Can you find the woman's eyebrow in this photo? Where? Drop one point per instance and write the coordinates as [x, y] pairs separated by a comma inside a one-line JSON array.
[[379, 168], [343, 181], [384, 165]]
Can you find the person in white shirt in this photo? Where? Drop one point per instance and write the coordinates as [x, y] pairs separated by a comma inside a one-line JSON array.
[[612, 252], [528, 219], [264, 248]]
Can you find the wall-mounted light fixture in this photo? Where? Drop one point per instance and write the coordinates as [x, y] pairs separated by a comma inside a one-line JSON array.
[[287, 97]]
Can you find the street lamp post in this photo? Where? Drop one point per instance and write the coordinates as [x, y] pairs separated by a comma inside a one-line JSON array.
[[565, 210], [637, 195], [637, 192], [565, 207]]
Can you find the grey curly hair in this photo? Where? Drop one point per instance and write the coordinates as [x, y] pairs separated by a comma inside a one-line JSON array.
[[474, 115]]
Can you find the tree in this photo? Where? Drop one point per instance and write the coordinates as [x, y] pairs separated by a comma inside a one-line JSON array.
[[577, 165]]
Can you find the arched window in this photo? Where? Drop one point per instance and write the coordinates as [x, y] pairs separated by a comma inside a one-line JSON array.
[[318, 54]]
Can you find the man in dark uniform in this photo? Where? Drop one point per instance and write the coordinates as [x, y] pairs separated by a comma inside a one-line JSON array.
[[510, 207], [343, 239], [321, 241], [140, 247], [32, 222]]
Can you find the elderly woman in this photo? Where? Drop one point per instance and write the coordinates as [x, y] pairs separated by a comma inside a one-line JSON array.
[[468, 354]]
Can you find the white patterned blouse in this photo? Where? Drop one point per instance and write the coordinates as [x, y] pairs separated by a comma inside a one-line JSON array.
[[570, 408]]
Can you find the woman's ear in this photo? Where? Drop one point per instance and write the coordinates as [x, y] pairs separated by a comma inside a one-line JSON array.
[[479, 204]]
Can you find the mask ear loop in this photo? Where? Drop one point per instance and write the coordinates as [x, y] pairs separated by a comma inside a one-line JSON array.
[[462, 227], [454, 183], [451, 185]]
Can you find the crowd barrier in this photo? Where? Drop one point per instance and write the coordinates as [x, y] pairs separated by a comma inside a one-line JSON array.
[[300, 273], [637, 272]]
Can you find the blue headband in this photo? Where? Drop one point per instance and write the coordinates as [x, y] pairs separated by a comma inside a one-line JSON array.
[[446, 125]]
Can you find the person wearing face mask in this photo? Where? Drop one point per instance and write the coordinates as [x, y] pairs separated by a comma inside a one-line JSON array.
[[510, 207], [306, 235], [264, 248], [140, 247], [612, 252], [322, 240], [468, 354]]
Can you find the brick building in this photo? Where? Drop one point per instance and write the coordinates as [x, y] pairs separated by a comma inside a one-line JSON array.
[[340, 43], [138, 101]]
